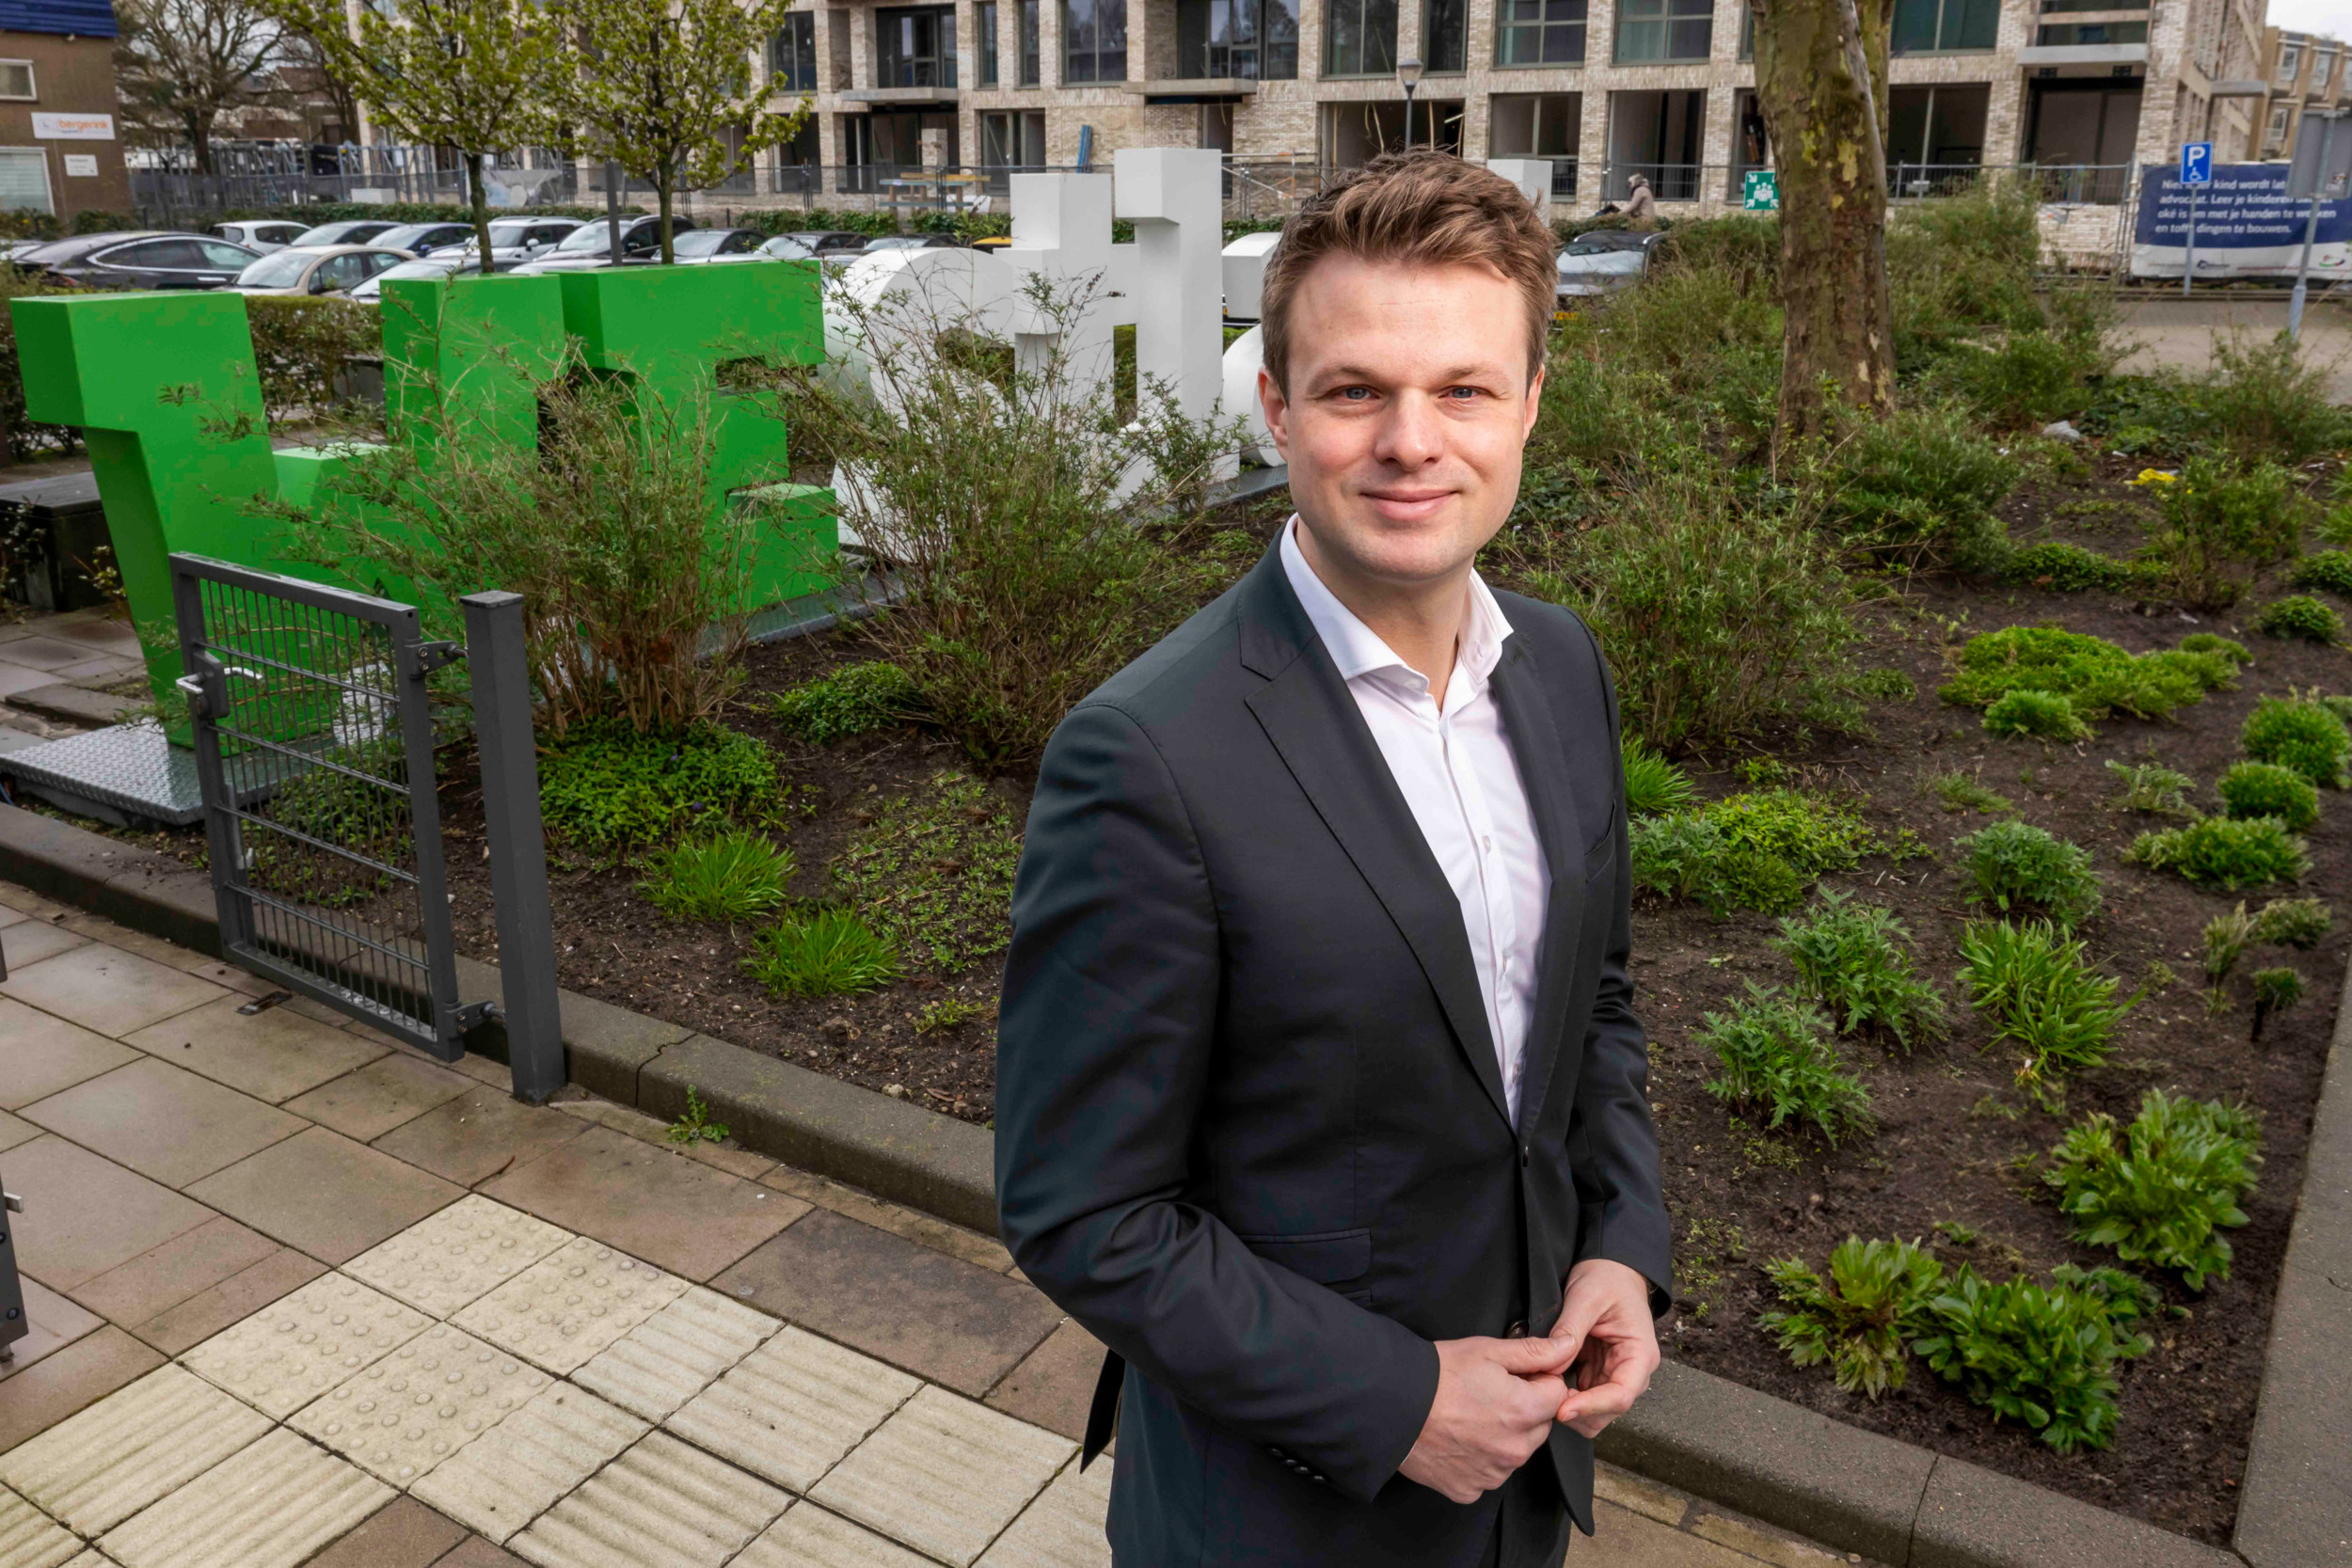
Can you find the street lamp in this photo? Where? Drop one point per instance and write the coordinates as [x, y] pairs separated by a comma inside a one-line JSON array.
[[1408, 75]]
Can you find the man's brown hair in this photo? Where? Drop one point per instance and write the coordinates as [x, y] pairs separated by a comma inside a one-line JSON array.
[[1420, 209]]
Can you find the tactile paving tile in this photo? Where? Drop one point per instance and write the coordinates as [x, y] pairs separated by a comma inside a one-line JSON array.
[[457, 1254], [793, 1407], [540, 1452], [569, 1305], [29, 1538], [402, 1416], [101, 1466], [299, 1346], [674, 1354], [1064, 1529], [271, 1505], [945, 1475], [660, 1505], [808, 1537]]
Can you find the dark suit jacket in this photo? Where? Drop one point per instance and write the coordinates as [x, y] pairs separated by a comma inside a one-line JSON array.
[[1251, 1129]]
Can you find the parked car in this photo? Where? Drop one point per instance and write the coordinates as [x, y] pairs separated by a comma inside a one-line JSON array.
[[709, 245], [911, 241], [515, 241], [827, 244], [447, 263], [261, 235], [329, 269], [11, 249], [344, 232], [1602, 261], [421, 239], [588, 247], [141, 259]]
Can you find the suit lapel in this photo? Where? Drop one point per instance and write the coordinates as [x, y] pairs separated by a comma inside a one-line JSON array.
[[1517, 688]]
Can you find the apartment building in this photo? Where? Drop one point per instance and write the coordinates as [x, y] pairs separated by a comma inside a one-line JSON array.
[[1607, 88], [2299, 71], [60, 152]]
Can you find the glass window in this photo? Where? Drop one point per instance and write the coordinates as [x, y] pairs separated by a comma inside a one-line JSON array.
[[2290, 57], [2063, 33], [225, 258], [793, 54], [279, 270], [1243, 40], [2278, 131], [1359, 38], [1540, 32], [1949, 26], [1651, 30], [1447, 47], [915, 47], [2323, 66], [1032, 59], [984, 18], [16, 79], [1094, 41], [1013, 140]]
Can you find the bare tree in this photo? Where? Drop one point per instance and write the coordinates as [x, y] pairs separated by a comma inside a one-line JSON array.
[[308, 68], [180, 64]]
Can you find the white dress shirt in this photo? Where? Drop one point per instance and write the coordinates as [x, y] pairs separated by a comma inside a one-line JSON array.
[[1461, 779]]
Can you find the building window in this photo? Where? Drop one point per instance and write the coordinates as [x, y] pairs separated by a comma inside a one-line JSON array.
[[16, 82], [1241, 40], [915, 47], [2277, 132], [2077, 33], [1948, 26], [2290, 57], [1014, 139], [2323, 66], [1747, 33], [1446, 49], [1359, 38], [1540, 32], [24, 179], [1654, 30], [1093, 41], [1032, 61], [793, 54], [984, 18]]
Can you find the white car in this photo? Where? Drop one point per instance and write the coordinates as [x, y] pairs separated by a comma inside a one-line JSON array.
[[1602, 262], [515, 241], [327, 269], [261, 235], [446, 264]]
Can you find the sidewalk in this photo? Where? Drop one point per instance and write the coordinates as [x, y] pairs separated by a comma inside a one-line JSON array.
[[300, 1294]]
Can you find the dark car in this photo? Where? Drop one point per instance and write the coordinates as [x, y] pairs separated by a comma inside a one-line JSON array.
[[829, 244], [913, 242], [144, 258], [421, 239], [708, 244], [345, 231], [589, 246]]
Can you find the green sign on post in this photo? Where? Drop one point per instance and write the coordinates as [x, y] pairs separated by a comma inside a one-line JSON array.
[[1759, 191]]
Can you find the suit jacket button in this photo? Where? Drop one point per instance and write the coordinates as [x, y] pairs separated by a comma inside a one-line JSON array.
[[1524, 1156], [1516, 1331]]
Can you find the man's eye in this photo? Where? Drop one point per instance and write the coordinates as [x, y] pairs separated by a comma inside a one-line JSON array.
[[1465, 393], [1355, 395]]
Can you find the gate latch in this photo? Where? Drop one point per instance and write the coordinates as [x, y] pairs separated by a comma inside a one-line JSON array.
[[469, 1016], [432, 655]]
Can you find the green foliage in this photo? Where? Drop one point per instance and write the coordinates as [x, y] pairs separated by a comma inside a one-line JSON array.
[[2301, 617], [1652, 783], [2274, 991], [301, 346], [1758, 849], [730, 875], [821, 952], [608, 788], [2226, 938], [933, 872], [2160, 1191], [2043, 995], [2328, 569], [23, 440], [2071, 569], [693, 1124], [357, 803], [1857, 960], [2095, 676], [2265, 789], [949, 1012], [2298, 922], [1876, 1299], [2265, 399], [2225, 852], [2300, 732], [2016, 865], [2209, 642], [2221, 524], [1886, 685], [1959, 264], [2149, 786], [2043, 714], [851, 700], [2030, 378], [1962, 792], [1920, 487], [1777, 1053], [2045, 1356]]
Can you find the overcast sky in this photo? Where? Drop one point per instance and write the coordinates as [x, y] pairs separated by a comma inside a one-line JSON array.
[[2312, 16]]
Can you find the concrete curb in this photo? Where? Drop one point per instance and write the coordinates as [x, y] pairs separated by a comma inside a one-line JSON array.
[[1856, 1491]]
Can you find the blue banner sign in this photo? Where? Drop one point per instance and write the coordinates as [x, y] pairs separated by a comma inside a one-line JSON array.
[[2246, 225]]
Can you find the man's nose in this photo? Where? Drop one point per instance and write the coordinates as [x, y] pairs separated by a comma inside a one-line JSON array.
[[1412, 435]]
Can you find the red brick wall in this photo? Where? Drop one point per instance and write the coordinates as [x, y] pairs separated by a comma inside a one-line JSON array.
[[70, 75]]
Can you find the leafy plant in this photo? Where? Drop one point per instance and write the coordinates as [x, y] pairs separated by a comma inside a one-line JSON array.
[[2226, 938], [1886, 685], [2020, 866], [2299, 617], [1857, 960], [2225, 852], [932, 871], [2222, 523], [1777, 1052], [2328, 569], [2043, 995], [2274, 991], [2266, 400], [2160, 1190], [1653, 784], [2070, 569], [2212, 643], [609, 787], [2045, 1356], [2300, 732], [822, 952], [2298, 922], [851, 700], [1920, 487], [2265, 789], [1876, 1299], [949, 1012], [729, 874], [2151, 787], [1962, 792], [2046, 714], [2096, 676], [693, 1124]]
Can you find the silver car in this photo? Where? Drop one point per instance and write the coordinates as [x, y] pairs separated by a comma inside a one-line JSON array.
[[447, 263], [261, 235], [329, 269]]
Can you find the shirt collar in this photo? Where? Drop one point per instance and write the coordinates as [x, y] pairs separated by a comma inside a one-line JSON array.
[[1357, 650]]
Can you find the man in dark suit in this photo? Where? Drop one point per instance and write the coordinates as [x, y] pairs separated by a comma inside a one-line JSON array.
[[1321, 1099]]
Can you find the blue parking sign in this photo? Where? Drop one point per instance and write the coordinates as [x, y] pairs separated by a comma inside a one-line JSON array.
[[2197, 163]]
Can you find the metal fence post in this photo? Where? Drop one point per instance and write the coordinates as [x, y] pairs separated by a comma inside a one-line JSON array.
[[518, 857]]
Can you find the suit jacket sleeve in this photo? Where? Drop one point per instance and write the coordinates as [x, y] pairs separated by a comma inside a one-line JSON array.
[[1106, 1046], [1613, 1143]]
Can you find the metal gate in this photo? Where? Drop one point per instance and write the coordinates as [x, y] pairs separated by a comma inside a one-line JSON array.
[[326, 855]]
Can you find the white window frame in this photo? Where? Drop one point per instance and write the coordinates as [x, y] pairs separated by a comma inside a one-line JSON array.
[[2277, 130], [32, 84], [2290, 60], [49, 189], [2323, 66]]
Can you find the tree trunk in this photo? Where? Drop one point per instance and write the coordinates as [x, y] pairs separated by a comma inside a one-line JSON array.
[[1815, 84], [200, 138], [662, 188], [481, 200]]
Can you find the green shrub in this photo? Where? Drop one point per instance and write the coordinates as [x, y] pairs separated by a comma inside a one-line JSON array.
[[1857, 960], [351, 803], [1653, 784], [2328, 569], [2299, 733], [823, 952], [1962, 792], [2160, 1190], [933, 872], [2071, 569], [301, 347], [608, 788], [2265, 399], [1920, 487], [2274, 991], [2043, 1356], [2226, 938], [1885, 685], [1814, 834], [2300, 617], [1959, 264], [2265, 789], [1877, 1299], [2018, 866], [2043, 714], [2209, 642], [2042, 995], [2149, 786], [2298, 922], [2225, 852], [1755, 850], [2031, 378], [851, 700], [2095, 675], [2221, 524], [1679, 856], [1777, 1054], [731, 875]]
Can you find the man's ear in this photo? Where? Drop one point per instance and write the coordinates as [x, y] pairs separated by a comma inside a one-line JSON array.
[[1276, 409], [1534, 402]]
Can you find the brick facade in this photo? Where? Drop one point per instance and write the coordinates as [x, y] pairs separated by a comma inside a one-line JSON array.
[[70, 75]]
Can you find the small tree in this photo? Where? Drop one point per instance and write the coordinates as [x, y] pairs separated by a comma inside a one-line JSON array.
[[180, 64], [461, 73], [663, 89]]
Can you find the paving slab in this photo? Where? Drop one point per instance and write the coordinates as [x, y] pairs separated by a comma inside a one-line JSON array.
[[26, 942], [273, 1056], [164, 1276], [1054, 1388], [325, 1194], [945, 1475], [47, 1054], [137, 1445], [53, 1324], [649, 1202], [209, 1312], [677, 1352], [1972, 1516], [661, 1504], [570, 1305], [15, 1130], [475, 1552], [1624, 1539], [305, 1344], [405, 1414], [404, 1533], [940, 1317], [937, 1234], [106, 990], [395, 1088], [498, 1484], [479, 1133], [42, 650], [272, 1505], [454, 1257], [1064, 1529], [808, 1537], [29, 1538], [85, 1214], [792, 1409], [74, 1379], [163, 1122]]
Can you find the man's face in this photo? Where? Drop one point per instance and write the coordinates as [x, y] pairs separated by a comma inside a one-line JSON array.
[[1409, 405]]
